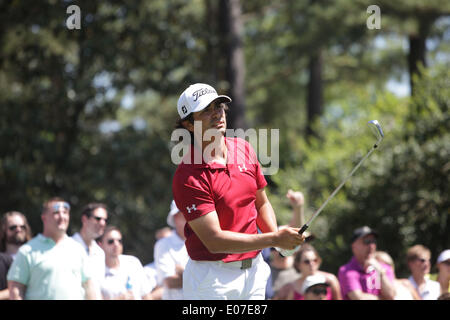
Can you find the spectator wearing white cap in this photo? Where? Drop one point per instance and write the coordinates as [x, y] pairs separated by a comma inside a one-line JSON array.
[[315, 287], [443, 275], [171, 256], [307, 263]]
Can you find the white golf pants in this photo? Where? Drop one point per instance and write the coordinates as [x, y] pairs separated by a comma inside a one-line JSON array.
[[216, 280]]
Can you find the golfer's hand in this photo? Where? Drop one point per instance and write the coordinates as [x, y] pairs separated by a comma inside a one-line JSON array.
[[288, 238]]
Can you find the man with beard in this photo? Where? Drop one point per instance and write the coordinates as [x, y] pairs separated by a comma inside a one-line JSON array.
[[14, 232]]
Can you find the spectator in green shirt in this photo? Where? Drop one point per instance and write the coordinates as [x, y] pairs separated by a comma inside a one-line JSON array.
[[51, 266]]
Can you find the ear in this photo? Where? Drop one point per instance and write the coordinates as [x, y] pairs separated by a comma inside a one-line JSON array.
[[188, 125]]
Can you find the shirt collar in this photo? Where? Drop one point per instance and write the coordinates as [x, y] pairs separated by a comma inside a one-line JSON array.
[[45, 239], [211, 165]]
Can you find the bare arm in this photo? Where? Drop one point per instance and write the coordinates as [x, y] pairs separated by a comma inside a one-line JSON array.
[[16, 290], [297, 201], [175, 281], [89, 290], [359, 295], [4, 294], [334, 285], [266, 220], [216, 240], [387, 287]]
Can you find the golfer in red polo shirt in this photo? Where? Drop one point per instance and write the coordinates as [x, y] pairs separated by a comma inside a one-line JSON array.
[[219, 187]]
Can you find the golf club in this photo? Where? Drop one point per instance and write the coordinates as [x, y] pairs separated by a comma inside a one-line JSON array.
[[375, 126]]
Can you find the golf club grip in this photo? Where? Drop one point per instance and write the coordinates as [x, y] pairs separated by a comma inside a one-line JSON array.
[[303, 229]]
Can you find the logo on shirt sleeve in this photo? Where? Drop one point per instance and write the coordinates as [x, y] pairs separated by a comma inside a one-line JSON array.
[[192, 208]]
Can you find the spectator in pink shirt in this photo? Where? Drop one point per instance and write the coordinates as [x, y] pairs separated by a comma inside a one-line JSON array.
[[363, 277]]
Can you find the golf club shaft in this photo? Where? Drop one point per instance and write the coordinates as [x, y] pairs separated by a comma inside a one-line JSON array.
[[306, 225]]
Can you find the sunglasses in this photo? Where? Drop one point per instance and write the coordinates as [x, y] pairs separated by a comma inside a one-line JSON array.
[[422, 260], [369, 241], [15, 226], [111, 241], [318, 291], [99, 218], [307, 261], [58, 205]]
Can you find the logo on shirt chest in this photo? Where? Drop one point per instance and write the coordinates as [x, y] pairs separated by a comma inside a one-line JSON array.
[[243, 168], [191, 208]]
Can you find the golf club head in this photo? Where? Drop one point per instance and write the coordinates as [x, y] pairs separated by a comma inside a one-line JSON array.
[[375, 126]]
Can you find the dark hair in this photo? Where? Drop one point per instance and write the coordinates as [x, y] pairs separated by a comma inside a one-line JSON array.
[[91, 207], [414, 252], [179, 125], [107, 230], [298, 256], [3, 228], [53, 199]]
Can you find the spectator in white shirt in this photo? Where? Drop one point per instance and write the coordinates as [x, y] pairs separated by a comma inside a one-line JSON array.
[[150, 268], [418, 258], [171, 256], [125, 278], [94, 217]]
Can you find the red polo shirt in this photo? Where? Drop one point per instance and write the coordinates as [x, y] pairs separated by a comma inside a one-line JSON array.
[[230, 190]]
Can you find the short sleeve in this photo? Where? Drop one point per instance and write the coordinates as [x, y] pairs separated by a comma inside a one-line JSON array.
[[349, 281], [192, 196], [20, 268]]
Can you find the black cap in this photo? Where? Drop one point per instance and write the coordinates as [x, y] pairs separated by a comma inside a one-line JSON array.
[[361, 232]]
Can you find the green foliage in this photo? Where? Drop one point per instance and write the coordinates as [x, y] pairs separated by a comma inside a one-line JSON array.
[[401, 190], [87, 114]]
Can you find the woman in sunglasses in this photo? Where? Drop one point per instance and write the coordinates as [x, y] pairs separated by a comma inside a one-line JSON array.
[[125, 277], [307, 263]]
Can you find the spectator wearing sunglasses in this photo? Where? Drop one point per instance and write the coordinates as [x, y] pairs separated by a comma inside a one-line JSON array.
[[403, 287], [418, 259], [125, 278], [94, 217], [363, 277], [307, 262], [51, 266], [315, 287], [14, 232]]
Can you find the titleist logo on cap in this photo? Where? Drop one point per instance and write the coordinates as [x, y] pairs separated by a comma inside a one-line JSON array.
[[200, 92]]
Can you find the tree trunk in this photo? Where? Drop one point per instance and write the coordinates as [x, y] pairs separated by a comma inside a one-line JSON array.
[[315, 91], [417, 49], [235, 62]]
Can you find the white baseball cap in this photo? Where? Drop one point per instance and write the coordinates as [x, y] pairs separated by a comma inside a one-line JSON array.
[[444, 256], [196, 98], [313, 281], [173, 211]]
